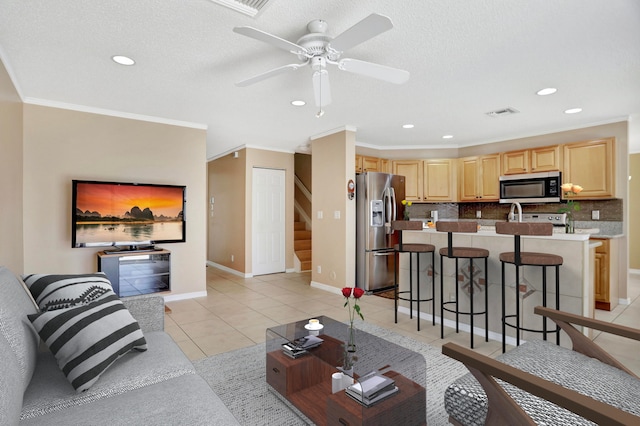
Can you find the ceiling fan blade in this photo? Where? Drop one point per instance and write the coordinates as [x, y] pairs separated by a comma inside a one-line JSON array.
[[381, 72], [278, 42], [369, 27], [321, 88], [271, 73]]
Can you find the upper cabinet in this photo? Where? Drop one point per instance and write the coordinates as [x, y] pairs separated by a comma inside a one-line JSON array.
[[479, 178], [412, 171], [439, 180], [428, 180], [371, 164], [544, 159], [591, 165]]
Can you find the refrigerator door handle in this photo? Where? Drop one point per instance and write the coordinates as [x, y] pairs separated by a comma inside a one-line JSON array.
[[388, 209], [393, 204], [384, 253]]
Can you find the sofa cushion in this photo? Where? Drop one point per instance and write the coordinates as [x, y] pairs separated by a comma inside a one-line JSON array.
[[18, 333], [10, 384], [63, 291], [50, 392], [87, 339], [184, 400]]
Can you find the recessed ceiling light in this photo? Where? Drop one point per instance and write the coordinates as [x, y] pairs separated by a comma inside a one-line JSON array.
[[447, 137], [298, 103], [547, 91], [123, 60], [573, 111], [407, 126]]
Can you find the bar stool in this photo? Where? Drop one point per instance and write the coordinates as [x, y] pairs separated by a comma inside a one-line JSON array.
[[520, 258], [417, 249], [456, 253]]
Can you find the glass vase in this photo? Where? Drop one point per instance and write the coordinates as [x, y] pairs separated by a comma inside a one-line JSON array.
[[570, 224], [351, 339]]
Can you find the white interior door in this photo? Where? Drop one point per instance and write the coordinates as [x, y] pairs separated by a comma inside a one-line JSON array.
[[268, 221]]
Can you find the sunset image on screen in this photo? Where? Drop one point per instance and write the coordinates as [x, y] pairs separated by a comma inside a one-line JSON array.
[[119, 201]]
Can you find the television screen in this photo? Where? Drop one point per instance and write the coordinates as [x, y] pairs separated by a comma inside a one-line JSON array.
[[127, 215]]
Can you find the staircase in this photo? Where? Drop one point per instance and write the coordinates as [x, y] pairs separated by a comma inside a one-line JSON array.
[[302, 245]]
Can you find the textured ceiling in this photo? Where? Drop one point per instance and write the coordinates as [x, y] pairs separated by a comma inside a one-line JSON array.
[[465, 57]]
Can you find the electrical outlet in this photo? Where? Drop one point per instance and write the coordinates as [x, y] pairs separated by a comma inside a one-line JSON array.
[[336, 214], [478, 214], [595, 214], [233, 258], [319, 268], [320, 214]]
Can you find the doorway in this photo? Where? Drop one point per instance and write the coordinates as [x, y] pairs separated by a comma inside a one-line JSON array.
[[268, 221]]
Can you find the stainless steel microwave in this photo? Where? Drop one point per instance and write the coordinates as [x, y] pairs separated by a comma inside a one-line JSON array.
[[531, 188]]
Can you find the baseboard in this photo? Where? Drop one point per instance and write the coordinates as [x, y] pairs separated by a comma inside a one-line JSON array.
[[626, 301], [634, 271], [325, 287], [227, 269], [184, 296]]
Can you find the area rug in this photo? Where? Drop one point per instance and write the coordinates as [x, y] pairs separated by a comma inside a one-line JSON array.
[[238, 377]]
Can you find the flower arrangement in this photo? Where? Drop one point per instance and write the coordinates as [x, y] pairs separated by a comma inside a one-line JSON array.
[[355, 294], [569, 190], [406, 204]]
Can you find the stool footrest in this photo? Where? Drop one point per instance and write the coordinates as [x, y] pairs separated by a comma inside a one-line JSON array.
[[555, 329], [411, 300], [444, 304]]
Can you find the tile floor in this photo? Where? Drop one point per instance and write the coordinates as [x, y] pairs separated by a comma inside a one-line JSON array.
[[237, 311]]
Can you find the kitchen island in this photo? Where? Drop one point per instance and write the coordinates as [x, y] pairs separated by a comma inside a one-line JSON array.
[[576, 278]]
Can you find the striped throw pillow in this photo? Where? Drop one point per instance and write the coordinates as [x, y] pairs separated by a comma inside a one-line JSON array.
[[87, 339], [63, 291]]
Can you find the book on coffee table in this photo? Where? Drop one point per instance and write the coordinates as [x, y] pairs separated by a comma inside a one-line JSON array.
[[372, 388]]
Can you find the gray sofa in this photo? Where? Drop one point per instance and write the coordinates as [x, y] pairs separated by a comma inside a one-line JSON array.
[[155, 387]]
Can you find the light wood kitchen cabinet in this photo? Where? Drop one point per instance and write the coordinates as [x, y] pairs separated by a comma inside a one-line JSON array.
[[605, 281], [591, 165], [385, 165], [479, 178], [370, 164], [412, 171], [439, 182], [533, 160], [545, 159]]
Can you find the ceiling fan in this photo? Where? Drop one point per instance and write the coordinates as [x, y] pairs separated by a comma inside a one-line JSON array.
[[318, 49]]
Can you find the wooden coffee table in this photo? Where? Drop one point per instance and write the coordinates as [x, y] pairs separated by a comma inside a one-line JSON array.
[[305, 382]]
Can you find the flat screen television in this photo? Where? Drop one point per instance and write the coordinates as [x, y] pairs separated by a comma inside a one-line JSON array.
[[127, 216]]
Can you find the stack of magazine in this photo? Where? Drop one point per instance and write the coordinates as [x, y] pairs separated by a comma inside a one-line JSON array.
[[299, 347], [372, 388]]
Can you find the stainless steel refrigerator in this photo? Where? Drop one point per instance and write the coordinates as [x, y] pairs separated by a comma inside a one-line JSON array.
[[378, 202]]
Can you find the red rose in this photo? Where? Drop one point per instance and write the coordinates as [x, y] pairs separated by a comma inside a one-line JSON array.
[[346, 291], [358, 292]]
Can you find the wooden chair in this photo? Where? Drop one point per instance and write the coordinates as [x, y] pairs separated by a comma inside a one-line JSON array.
[[586, 382]]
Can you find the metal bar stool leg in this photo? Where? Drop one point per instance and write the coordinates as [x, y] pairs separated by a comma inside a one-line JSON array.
[[486, 299], [517, 305], [410, 285], [418, 289], [395, 284], [442, 295], [504, 317], [433, 288], [557, 302], [471, 292], [457, 297], [544, 301]]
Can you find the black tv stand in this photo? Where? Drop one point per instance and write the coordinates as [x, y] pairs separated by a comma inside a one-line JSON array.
[[135, 272]]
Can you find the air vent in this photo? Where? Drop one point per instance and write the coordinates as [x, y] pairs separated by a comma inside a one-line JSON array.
[[247, 7], [503, 111]]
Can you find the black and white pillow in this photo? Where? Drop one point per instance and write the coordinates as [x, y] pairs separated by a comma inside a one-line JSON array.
[[87, 339], [63, 291]]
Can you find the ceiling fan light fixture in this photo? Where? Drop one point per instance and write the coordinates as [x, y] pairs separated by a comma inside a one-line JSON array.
[[546, 91], [122, 60]]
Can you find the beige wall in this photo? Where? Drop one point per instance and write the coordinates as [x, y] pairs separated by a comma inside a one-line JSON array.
[[61, 145], [333, 242], [226, 230], [11, 115], [230, 228], [634, 211]]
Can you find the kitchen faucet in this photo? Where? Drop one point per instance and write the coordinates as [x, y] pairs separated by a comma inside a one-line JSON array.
[[512, 213]]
